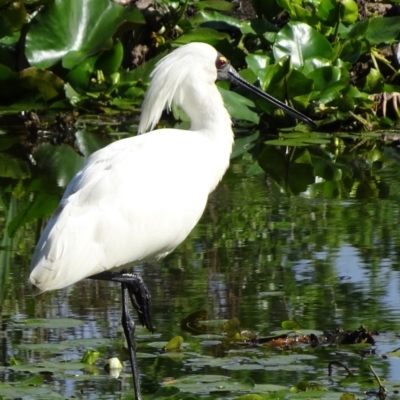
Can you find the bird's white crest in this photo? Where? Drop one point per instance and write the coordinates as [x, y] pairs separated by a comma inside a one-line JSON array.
[[139, 198], [176, 79]]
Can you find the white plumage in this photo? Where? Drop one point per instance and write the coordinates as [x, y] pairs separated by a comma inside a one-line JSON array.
[[139, 198]]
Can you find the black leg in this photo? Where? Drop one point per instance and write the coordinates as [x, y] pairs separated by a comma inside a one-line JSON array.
[[129, 329], [133, 285]]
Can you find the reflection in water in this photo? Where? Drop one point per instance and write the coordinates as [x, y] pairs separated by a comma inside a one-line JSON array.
[[257, 255]]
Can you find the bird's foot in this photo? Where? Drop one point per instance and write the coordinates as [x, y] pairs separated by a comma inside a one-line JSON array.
[[140, 298], [138, 293]]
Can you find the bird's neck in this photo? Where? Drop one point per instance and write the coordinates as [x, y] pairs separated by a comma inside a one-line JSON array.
[[210, 118]]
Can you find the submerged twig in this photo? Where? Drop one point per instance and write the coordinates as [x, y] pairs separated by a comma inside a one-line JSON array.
[[349, 372]]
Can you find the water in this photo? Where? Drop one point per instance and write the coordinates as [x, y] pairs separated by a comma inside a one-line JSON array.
[[258, 255]]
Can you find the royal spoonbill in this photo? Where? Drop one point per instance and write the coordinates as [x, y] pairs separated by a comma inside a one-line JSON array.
[[139, 198]]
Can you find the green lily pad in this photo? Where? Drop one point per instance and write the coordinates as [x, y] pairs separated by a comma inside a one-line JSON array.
[[201, 384], [56, 323], [46, 347], [13, 392]]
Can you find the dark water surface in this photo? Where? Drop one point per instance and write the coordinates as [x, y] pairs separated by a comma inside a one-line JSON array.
[[257, 255]]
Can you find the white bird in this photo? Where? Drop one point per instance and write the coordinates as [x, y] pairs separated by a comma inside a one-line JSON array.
[[139, 198]]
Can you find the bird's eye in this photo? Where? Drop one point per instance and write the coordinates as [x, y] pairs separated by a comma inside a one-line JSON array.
[[221, 62]]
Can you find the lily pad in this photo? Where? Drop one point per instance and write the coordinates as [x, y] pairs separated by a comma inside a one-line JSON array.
[[200, 384], [56, 323]]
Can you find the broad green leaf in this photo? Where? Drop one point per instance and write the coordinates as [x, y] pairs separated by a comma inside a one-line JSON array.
[[274, 81], [238, 106], [357, 30], [299, 88], [47, 83], [88, 142], [299, 41], [216, 20], [60, 163], [261, 28], [42, 205], [325, 77], [206, 35], [383, 30], [73, 30], [350, 50], [110, 60], [258, 64], [80, 76], [219, 5], [328, 12]]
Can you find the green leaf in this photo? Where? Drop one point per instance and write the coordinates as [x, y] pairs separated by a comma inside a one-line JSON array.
[[174, 343], [79, 77], [294, 177], [237, 106], [47, 83], [258, 64], [110, 60], [327, 80], [383, 30], [250, 397], [52, 323], [375, 81], [243, 145], [14, 168], [43, 205], [348, 11], [328, 12], [290, 325], [299, 41], [206, 35], [219, 5], [35, 380], [347, 396], [90, 357], [75, 29], [60, 163], [350, 50], [14, 361], [299, 88], [216, 20]]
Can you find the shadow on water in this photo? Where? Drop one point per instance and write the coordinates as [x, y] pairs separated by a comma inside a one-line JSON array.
[[260, 254]]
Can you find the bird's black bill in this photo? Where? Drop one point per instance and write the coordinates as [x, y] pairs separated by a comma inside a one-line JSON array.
[[232, 76]]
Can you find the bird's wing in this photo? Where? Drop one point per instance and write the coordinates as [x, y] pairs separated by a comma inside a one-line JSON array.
[[134, 200]]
